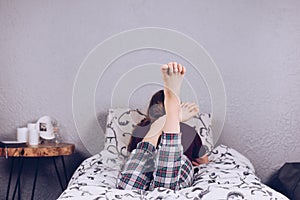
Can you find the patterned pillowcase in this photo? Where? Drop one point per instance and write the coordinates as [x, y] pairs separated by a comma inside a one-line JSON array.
[[202, 123], [122, 121]]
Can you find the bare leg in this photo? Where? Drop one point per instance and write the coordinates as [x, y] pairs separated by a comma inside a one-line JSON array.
[[172, 76]]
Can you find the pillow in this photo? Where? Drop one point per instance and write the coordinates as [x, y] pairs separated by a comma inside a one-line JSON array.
[[202, 123], [122, 121], [119, 126]]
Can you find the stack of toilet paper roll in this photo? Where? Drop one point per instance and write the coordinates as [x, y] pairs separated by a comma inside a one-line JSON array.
[[28, 134]]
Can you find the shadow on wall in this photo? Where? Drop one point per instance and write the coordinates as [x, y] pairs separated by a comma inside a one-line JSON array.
[[102, 120]]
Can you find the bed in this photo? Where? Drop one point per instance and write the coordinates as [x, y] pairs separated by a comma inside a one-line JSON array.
[[228, 175]]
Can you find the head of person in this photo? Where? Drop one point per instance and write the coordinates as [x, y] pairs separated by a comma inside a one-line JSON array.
[[155, 110], [156, 106]]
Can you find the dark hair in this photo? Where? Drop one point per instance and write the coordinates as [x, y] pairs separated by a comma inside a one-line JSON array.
[[155, 110], [156, 107]]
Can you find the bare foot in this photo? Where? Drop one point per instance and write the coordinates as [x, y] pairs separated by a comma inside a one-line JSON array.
[[188, 110], [172, 74]]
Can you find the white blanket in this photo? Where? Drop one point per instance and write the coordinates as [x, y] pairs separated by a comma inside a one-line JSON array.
[[228, 175]]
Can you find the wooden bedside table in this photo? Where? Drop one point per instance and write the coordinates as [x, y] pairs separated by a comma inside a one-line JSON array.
[[52, 150]]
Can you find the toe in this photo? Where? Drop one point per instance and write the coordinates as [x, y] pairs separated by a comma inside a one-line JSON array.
[[164, 67], [170, 68], [183, 70], [179, 68], [175, 68]]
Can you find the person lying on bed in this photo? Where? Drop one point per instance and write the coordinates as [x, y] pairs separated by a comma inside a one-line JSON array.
[[190, 140], [171, 164]]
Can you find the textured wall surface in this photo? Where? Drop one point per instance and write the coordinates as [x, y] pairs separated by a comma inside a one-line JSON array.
[[254, 43]]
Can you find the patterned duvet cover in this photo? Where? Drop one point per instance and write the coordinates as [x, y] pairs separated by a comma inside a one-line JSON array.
[[228, 175]]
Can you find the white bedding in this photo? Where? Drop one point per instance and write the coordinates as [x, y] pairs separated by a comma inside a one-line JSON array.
[[228, 173]]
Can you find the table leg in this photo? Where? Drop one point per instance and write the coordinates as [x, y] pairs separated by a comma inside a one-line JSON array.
[[9, 180], [19, 190], [18, 180], [35, 177], [57, 172], [65, 171]]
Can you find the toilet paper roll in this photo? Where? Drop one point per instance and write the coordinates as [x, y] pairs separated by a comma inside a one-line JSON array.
[[22, 134], [31, 126], [33, 137]]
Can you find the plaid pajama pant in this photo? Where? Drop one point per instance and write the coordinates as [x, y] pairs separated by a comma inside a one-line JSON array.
[[148, 168]]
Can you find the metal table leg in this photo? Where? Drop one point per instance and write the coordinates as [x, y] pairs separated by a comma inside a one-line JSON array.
[[18, 180], [65, 171], [9, 180], [35, 177], [57, 172], [19, 189]]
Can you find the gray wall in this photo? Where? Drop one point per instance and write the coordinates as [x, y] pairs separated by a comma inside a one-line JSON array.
[[254, 43]]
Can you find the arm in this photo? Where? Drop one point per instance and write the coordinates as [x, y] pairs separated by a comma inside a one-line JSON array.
[[201, 156], [201, 160]]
